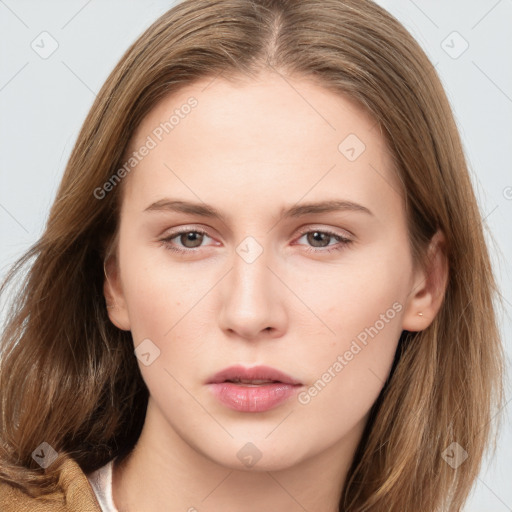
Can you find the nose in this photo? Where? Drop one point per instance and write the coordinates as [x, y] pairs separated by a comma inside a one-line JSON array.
[[252, 300]]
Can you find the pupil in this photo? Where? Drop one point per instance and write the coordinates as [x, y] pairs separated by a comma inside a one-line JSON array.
[[317, 236], [192, 236]]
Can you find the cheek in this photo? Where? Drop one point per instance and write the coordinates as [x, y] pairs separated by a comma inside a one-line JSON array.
[[348, 369], [343, 300], [150, 301], [353, 339], [153, 290], [165, 300]]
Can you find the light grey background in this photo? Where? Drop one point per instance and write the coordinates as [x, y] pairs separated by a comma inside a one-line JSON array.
[[43, 102]]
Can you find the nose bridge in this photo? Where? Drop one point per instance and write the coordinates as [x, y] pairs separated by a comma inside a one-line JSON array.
[[251, 301]]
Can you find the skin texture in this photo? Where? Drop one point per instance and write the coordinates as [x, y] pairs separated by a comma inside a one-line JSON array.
[[252, 148]]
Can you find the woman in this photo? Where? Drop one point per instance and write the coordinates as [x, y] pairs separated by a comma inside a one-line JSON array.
[[263, 284]]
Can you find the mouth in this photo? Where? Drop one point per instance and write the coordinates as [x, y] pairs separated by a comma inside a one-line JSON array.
[[256, 389], [252, 382]]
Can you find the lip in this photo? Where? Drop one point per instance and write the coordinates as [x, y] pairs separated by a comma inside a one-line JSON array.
[[270, 388], [252, 373]]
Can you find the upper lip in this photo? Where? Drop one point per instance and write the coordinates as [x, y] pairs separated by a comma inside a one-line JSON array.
[[255, 373]]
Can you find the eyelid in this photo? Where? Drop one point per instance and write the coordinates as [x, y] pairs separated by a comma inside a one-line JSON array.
[[331, 231], [173, 232], [302, 230]]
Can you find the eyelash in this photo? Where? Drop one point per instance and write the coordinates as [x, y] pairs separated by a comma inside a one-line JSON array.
[[343, 241]]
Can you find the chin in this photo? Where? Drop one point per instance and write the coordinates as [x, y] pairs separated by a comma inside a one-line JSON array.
[[255, 454]]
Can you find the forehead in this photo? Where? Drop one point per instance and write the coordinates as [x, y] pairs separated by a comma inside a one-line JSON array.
[[247, 136], [263, 107]]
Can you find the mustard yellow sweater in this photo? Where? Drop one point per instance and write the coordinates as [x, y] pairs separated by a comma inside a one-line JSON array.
[[75, 495]]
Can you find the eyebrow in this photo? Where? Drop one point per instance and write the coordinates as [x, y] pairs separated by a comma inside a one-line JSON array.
[[205, 210]]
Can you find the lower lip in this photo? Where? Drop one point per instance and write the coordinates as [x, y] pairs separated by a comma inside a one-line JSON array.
[[255, 398]]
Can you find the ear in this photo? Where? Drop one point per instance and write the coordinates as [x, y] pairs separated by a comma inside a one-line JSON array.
[[429, 287], [113, 291]]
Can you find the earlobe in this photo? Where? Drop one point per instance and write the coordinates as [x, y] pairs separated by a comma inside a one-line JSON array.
[[429, 287], [114, 298]]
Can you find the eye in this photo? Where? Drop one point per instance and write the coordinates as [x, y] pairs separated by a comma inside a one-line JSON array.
[[189, 238], [320, 240]]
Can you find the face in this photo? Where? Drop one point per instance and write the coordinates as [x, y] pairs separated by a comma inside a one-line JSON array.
[[305, 268]]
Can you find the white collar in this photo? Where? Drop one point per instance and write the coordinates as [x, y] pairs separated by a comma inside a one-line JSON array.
[[101, 483]]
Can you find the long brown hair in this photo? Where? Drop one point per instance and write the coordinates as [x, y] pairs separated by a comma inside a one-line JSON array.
[[69, 377]]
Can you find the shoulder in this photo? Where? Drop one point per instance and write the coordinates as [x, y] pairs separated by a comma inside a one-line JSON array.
[[75, 494]]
